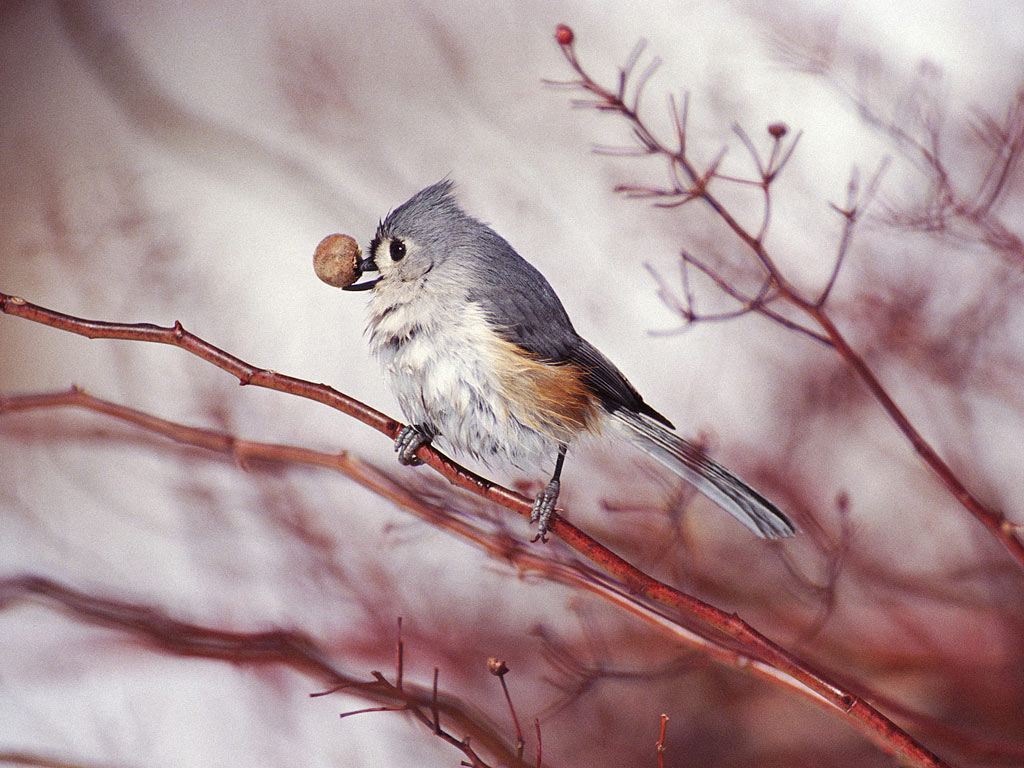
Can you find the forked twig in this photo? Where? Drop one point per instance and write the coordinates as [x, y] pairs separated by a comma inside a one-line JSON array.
[[289, 648], [688, 184]]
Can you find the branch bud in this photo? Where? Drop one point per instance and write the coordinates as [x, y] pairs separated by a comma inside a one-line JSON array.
[[497, 667]]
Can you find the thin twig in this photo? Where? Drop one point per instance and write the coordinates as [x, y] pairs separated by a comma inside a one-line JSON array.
[[499, 669], [399, 657], [660, 746], [855, 206], [1004, 530], [290, 648]]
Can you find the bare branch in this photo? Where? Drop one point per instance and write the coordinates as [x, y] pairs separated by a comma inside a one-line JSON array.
[[633, 590], [290, 648], [784, 290], [855, 205]]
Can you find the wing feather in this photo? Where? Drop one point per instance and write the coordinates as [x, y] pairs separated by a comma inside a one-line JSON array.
[[526, 311]]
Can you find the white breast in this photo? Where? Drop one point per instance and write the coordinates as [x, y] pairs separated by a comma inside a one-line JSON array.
[[439, 363]]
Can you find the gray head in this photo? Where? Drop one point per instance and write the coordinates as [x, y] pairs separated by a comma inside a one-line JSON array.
[[420, 234], [430, 240], [427, 231]]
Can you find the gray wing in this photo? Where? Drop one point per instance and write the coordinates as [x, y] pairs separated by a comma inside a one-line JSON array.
[[526, 311], [610, 384], [521, 303]]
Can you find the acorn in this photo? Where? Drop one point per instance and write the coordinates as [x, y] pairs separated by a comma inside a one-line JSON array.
[[336, 260]]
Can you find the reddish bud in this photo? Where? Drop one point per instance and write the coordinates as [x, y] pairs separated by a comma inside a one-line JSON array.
[[564, 34], [778, 130], [497, 667]]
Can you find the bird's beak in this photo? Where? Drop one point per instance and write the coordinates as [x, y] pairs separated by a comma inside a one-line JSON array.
[[366, 265]]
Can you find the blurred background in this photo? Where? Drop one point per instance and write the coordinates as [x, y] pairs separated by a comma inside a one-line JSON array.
[[180, 161]]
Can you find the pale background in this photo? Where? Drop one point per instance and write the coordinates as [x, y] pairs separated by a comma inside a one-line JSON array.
[[180, 161]]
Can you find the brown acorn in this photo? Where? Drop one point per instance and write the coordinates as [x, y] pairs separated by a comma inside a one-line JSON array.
[[336, 260]]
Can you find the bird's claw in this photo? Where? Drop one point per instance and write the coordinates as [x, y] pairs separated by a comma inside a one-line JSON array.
[[410, 440], [544, 509]]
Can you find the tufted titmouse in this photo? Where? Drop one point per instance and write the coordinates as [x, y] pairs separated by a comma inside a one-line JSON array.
[[481, 354]]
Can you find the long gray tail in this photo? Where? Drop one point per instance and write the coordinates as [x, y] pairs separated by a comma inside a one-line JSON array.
[[707, 476]]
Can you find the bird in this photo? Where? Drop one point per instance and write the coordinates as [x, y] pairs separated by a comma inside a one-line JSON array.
[[482, 357]]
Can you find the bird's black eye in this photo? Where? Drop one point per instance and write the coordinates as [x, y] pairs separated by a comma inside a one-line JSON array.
[[397, 250]]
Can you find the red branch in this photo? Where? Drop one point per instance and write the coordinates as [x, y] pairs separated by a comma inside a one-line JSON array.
[[878, 726], [689, 184], [291, 648]]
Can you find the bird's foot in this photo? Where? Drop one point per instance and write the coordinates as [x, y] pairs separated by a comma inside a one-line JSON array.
[[410, 440], [544, 508]]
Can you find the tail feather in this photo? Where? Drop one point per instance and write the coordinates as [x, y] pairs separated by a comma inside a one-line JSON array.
[[707, 476]]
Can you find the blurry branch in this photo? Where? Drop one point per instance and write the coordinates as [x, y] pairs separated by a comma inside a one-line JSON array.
[[39, 760], [969, 215], [499, 669], [582, 677], [724, 637], [430, 717], [688, 183], [289, 648], [968, 212]]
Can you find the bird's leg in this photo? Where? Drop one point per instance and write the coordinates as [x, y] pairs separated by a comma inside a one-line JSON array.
[[410, 440], [544, 504]]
